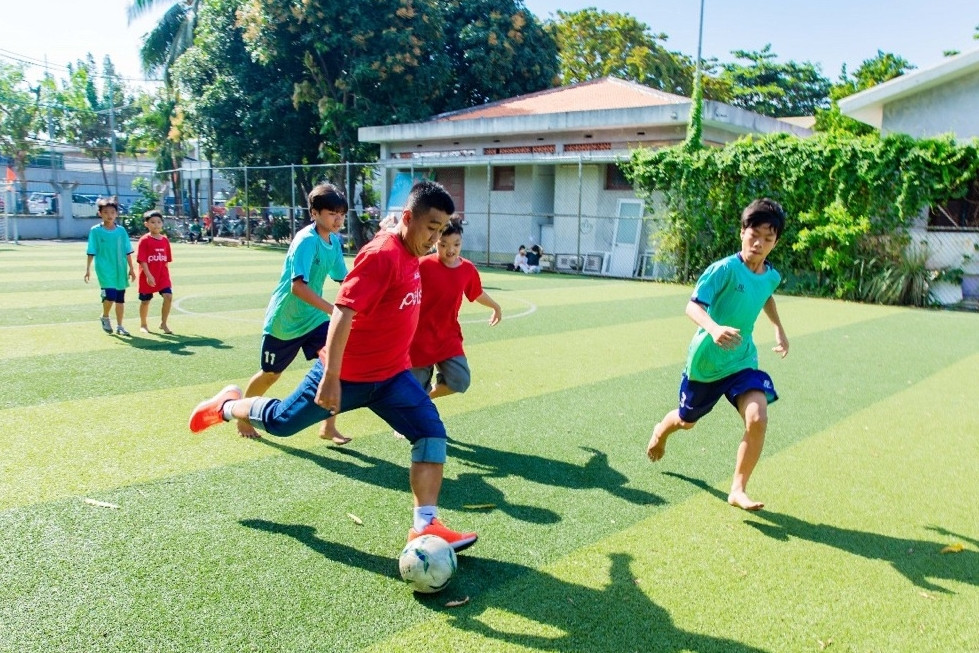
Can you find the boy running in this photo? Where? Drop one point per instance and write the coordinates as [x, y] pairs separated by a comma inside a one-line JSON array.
[[437, 345], [722, 359], [297, 317], [154, 256], [110, 248], [365, 361]]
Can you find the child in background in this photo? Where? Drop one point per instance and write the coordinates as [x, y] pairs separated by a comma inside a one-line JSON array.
[[437, 346], [154, 256], [110, 248], [722, 360], [533, 259], [520, 260]]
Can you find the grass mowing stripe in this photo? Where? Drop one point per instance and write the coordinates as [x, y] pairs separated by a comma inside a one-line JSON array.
[[685, 577]]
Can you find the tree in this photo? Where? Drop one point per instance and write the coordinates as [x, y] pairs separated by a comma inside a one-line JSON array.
[[883, 67], [171, 37], [241, 108], [497, 49], [92, 107], [593, 44], [21, 120], [775, 89]]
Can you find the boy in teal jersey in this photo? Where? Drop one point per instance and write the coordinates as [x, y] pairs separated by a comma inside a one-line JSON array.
[[109, 246], [297, 316], [722, 359]]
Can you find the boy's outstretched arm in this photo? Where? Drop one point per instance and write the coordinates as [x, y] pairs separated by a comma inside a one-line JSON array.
[[724, 336], [489, 302], [781, 341]]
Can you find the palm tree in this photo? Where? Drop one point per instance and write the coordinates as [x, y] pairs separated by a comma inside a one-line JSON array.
[[171, 37]]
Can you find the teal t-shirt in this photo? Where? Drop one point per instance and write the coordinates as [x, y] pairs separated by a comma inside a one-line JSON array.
[[311, 259], [733, 296], [110, 249]]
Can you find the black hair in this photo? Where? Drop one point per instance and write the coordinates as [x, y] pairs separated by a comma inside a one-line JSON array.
[[152, 213], [326, 197], [453, 227], [764, 211], [106, 201], [427, 195]]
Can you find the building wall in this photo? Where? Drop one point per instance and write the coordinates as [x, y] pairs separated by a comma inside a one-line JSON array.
[[946, 108]]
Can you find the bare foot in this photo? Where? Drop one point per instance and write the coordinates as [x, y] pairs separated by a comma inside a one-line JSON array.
[[165, 329], [657, 444], [332, 435], [741, 500], [246, 430]]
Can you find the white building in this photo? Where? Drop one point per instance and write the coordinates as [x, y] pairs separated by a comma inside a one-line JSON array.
[[541, 168]]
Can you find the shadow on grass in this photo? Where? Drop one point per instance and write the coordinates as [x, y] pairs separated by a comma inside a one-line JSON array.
[[617, 617], [594, 474], [916, 560], [176, 344], [464, 490]]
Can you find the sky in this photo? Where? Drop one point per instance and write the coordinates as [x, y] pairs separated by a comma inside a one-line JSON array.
[[829, 32]]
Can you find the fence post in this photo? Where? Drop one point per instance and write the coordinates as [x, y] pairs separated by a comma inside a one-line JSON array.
[[292, 209], [489, 206], [247, 210], [579, 259]]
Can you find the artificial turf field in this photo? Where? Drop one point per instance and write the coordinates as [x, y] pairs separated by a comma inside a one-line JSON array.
[[870, 470]]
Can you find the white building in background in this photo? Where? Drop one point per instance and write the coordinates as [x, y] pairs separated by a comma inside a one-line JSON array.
[[541, 168], [935, 101]]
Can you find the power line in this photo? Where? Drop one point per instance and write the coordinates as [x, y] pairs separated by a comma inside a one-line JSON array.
[[25, 59]]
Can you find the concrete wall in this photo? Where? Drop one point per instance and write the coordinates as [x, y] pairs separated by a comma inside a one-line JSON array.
[[946, 108]]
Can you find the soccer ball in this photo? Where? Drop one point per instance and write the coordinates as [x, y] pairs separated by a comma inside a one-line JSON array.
[[427, 564]]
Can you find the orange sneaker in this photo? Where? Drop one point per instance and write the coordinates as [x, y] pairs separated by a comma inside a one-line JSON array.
[[456, 540], [208, 413]]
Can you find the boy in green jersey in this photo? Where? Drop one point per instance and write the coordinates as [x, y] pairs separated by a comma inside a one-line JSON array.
[[722, 360], [297, 317]]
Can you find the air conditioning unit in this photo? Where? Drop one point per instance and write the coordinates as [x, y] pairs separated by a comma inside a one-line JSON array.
[[567, 262], [594, 263]]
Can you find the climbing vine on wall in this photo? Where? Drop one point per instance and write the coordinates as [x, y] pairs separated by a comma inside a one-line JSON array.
[[849, 200]]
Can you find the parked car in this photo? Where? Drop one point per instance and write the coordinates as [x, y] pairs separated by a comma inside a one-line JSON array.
[[83, 206], [42, 204]]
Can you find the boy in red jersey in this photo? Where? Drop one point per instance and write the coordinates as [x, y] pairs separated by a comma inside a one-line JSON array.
[[153, 256], [437, 345], [378, 304]]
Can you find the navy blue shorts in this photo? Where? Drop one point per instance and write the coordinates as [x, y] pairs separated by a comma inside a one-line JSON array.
[[400, 401], [116, 295], [697, 398], [278, 354], [147, 296]]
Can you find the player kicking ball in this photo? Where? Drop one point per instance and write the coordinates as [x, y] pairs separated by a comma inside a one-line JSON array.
[[722, 360], [365, 363]]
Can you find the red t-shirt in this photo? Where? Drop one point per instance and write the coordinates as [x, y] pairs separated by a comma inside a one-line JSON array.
[[155, 252], [384, 287], [439, 335]]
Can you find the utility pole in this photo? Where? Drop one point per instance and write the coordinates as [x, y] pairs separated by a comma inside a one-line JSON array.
[[112, 138]]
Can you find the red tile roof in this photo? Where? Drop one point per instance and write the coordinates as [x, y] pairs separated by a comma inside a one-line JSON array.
[[598, 94]]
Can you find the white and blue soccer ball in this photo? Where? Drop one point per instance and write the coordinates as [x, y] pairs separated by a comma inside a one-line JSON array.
[[427, 564]]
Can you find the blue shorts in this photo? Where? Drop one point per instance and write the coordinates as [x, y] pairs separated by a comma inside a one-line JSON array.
[[147, 296], [697, 398], [400, 401], [453, 372], [278, 354], [114, 295]]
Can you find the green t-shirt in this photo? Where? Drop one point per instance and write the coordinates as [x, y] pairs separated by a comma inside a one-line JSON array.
[[110, 247], [311, 259], [733, 296]]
